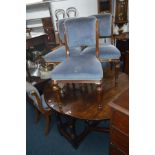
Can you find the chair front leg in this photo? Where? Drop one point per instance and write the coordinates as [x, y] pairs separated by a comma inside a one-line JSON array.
[[47, 123], [117, 68], [111, 65]]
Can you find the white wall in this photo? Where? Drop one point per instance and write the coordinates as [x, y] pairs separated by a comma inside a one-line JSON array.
[[84, 7]]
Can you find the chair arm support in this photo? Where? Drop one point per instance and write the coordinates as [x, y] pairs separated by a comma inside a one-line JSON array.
[[39, 102]]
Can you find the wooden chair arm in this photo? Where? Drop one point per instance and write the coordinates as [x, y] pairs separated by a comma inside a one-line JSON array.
[[39, 102]]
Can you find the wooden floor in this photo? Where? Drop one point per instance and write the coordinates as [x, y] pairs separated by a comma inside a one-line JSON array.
[[81, 101]]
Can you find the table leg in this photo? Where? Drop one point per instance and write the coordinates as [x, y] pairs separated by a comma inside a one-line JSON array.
[[67, 129]]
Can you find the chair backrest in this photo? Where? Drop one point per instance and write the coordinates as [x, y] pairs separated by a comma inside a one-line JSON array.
[[105, 24], [61, 30], [59, 14], [71, 12], [82, 31]]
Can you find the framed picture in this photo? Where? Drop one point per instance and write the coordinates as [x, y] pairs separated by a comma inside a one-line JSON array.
[[121, 15]]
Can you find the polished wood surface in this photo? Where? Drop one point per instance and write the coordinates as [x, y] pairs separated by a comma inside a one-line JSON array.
[[82, 102], [119, 130]]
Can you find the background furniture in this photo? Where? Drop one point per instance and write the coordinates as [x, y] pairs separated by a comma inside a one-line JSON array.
[[37, 39], [42, 25], [119, 130], [122, 43], [81, 6], [49, 30], [104, 6], [71, 12], [38, 18]]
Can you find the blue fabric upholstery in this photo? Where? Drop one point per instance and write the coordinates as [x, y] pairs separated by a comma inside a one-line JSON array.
[[105, 24], [61, 29], [106, 52], [29, 89], [80, 31], [59, 54], [82, 67]]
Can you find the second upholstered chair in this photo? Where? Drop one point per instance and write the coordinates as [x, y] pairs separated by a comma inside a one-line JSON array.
[[58, 54], [79, 32], [108, 52]]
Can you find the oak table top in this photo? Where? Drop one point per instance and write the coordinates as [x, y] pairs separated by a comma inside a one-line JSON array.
[[82, 103]]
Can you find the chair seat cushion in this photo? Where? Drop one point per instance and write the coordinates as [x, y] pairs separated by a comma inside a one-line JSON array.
[[59, 54], [106, 52], [82, 67]]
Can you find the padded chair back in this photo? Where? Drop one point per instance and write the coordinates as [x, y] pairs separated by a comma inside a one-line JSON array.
[[105, 24], [80, 31], [61, 29]]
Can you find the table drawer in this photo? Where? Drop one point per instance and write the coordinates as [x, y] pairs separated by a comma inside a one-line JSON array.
[[120, 140], [121, 121]]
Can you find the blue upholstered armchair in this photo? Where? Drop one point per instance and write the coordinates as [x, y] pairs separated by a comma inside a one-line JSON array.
[[79, 68], [40, 105], [108, 52], [58, 54]]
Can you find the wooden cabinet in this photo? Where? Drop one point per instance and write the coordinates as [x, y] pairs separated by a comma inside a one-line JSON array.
[[119, 129]]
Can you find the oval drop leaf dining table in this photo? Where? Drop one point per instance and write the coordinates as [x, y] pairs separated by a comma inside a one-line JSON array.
[[80, 102]]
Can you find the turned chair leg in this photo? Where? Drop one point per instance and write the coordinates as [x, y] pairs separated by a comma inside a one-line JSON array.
[[99, 96], [111, 65], [37, 115], [47, 123], [117, 68]]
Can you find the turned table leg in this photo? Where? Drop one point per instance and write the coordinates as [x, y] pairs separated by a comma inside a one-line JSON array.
[[99, 96], [57, 94]]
